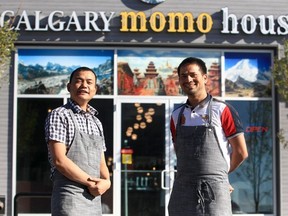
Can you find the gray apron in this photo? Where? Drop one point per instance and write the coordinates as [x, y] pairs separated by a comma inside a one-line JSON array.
[[201, 185], [70, 198]]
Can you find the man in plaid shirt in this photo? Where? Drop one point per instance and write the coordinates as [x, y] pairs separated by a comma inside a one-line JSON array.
[[76, 147]]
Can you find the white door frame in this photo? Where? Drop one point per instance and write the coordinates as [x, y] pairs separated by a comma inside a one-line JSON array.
[[167, 180]]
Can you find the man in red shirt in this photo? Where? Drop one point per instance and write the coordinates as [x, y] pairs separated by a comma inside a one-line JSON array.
[[209, 144]]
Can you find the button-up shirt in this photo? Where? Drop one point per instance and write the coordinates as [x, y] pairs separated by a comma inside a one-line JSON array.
[[59, 125]]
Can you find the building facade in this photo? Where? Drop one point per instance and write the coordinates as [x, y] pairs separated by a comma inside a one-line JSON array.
[[135, 46]]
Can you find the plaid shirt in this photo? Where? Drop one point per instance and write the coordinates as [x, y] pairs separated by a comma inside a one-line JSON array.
[[59, 125]]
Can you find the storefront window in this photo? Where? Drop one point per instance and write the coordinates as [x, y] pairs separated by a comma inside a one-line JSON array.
[[253, 181], [143, 159], [33, 171], [241, 78], [46, 72], [105, 110]]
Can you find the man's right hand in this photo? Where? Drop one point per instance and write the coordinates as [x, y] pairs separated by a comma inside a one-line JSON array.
[[99, 186]]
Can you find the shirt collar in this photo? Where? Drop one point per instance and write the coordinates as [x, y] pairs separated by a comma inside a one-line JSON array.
[[201, 104], [77, 109]]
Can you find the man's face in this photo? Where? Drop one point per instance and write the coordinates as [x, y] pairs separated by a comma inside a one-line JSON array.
[[191, 79], [82, 87]]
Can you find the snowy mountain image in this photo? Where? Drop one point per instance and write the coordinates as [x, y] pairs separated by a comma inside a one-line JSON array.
[[244, 70], [53, 78], [245, 79]]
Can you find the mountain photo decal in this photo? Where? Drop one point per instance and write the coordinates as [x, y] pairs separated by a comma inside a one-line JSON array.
[[47, 71], [247, 74]]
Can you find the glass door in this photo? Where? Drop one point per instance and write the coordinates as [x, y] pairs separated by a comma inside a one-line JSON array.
[[144, 156], [144, 142]]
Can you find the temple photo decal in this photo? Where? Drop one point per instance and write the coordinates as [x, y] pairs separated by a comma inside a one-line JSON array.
[[147, 74]]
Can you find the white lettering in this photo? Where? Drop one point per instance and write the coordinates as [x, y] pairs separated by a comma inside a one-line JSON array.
[[106, 21], [3, 15], [56, 22], [74, 21], [24, 20], [264, 30], [37, 22], [283, 23], [92, 22], [52, 23], [249, 24], [226, 20], [246, 20]]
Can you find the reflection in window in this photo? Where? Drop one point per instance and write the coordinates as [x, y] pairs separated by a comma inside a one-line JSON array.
[[143, 132], [33, 170], [105, 114], [253, 180]]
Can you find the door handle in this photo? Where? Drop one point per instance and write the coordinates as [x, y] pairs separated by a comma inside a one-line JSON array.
[[170, 179]]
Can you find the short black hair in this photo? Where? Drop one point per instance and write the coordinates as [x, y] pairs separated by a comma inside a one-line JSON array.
[[193, 60], [81, 69]]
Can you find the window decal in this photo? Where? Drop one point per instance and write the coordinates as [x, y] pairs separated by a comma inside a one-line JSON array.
[[47, 71], [154, 72], [247, 74], [253, 180]]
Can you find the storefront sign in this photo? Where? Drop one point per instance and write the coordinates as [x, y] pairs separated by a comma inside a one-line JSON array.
[[203, 19], [254, 129], [56, 21], [173, 22], [267, 24]]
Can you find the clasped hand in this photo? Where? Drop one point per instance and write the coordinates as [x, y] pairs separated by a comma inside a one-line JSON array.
[[98, 186]]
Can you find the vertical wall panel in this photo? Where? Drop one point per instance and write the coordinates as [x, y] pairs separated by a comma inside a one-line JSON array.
[[6, 133], [283, 113]]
